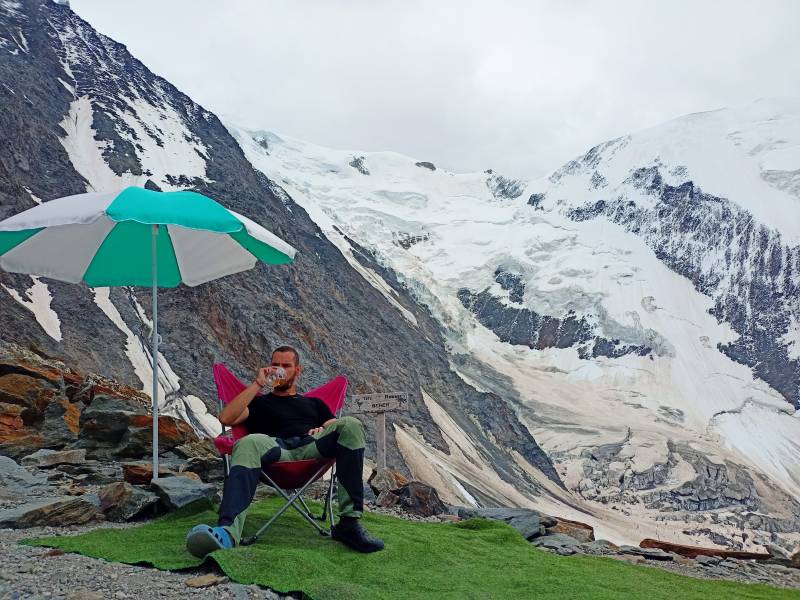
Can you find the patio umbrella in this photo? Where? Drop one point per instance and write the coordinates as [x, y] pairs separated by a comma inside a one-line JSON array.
[[136, 237]]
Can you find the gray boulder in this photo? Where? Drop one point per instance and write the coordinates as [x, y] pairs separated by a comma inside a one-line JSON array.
[[708, 561], [601, 547], [50, 458], [560, 543], [16, 481], [385, 480], [121, 501], [421, 499], [530, 523], [176, 492], [92, 472], [387, 499], [65, 510]]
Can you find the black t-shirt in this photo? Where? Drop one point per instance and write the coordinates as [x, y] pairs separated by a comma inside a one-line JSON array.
[[286, 416]]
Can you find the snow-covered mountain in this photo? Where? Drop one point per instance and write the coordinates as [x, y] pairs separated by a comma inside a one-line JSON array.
[[639, 304]]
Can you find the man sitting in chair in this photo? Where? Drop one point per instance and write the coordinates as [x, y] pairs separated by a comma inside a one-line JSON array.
[[284, 425]]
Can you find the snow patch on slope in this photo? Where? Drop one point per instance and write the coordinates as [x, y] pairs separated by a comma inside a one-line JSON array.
[[86, 153], [38, 302], [163, 144], [189, 408]]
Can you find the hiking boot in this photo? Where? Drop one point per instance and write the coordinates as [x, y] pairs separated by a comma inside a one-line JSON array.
[[352, 534], [203, 540]]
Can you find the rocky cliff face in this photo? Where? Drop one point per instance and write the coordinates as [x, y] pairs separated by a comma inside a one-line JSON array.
[[81, 114]]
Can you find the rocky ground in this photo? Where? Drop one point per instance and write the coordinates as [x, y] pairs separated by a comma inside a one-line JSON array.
[[42, 573]]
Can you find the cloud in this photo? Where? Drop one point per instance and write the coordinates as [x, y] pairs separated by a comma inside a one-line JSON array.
[[517, 86]]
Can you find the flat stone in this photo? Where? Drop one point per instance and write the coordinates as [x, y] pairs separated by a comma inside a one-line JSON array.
[[93, 472], [648, 553], [729, 564], [629, 558], [203, 448], [209, 468], [580, 531], [530, 523], [176, 492], [205, 581], [600, 547], [16, 480], [50, 458], [121, 501], [695, 551], [53, 511], [708, 561], [559, 542], [795, 560]]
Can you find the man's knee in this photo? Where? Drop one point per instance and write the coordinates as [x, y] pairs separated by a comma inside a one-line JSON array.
[[350, 424], [248, 451], [351, 432]]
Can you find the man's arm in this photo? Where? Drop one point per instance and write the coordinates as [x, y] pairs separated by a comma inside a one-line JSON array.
[[236, 410], [325, 415]]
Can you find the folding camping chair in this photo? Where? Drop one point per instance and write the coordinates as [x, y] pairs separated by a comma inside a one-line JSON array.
[[294, 475]]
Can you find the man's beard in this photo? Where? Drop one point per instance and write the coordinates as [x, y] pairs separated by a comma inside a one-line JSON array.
[[285, 386]]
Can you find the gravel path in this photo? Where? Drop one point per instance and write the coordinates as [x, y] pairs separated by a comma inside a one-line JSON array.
[[47, 574]]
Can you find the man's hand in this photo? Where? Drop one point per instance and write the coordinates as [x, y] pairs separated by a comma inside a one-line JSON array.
[[315, 430], [263, 374]]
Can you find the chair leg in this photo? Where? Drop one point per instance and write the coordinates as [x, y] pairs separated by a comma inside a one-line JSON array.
[[290, 502], [303, 502], [327, 504], [329, 500]]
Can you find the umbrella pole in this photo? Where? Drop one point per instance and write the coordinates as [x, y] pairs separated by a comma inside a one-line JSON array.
[[155, 355]]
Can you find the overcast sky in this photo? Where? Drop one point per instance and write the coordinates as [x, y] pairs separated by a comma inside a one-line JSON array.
[[520, 87]]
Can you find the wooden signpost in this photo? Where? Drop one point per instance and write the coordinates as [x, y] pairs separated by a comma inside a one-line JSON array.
[[380, 404]]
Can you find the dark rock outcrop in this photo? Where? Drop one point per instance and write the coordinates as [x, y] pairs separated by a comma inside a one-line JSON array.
[[504, 188], [525, 327], [419, 498], [359, 164]]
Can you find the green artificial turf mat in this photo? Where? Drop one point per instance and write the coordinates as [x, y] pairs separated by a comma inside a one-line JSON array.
[[472, 559]]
